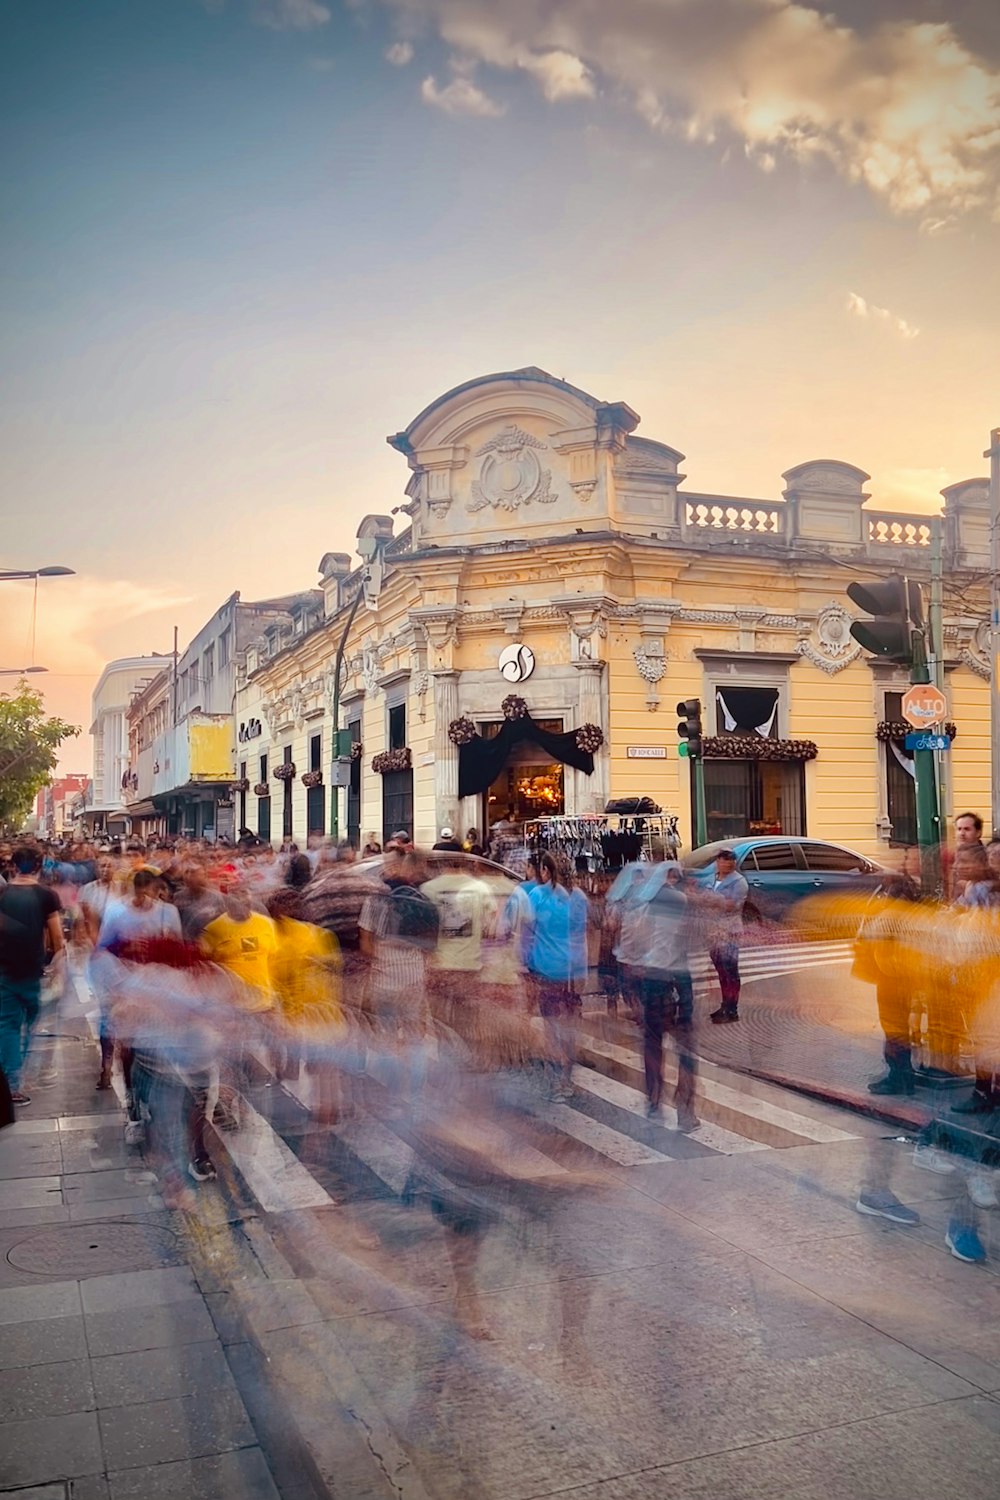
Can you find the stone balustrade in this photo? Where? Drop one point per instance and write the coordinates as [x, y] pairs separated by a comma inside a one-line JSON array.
[[890, 529], [750, 519]]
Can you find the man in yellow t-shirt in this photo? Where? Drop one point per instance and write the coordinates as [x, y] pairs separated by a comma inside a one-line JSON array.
[[244, 941]]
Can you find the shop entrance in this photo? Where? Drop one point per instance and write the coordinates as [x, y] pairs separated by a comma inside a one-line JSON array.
[[529, 786]]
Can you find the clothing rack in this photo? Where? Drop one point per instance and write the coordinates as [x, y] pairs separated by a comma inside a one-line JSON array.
[[603, 841]]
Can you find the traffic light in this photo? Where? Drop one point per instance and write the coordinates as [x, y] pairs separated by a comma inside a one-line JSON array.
[[689, 726], [897, 608]]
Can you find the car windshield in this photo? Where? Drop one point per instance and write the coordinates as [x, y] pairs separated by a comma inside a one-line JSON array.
[[700, 859]]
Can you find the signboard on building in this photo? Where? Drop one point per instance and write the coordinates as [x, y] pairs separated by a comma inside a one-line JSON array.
[[225, 820], [924, 705], [646, 752]]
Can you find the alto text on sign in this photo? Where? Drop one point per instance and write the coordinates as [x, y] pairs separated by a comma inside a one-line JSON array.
[[646, 752], [923, 705]]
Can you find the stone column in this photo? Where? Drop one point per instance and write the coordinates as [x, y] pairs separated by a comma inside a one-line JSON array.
[[446, 804], [592, 791]]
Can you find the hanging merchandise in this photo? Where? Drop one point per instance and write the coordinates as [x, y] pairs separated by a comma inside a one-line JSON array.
[[481, 761], [604, 841]]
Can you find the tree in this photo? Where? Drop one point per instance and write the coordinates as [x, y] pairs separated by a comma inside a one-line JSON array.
[[29, 744]]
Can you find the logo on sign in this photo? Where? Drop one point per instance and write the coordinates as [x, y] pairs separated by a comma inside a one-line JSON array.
[[923, 705], [516, 663]]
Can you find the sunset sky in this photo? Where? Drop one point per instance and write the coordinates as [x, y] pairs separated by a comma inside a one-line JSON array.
[[246, 239]]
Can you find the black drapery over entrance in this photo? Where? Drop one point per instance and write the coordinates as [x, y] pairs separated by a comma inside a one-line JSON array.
[[481, 761]]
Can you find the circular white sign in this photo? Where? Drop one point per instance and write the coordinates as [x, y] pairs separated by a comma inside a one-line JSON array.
[[516, 663]]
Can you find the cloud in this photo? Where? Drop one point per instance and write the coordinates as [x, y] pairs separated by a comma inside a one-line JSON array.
[[400, 54], [901, 107], [460, 97], [861, 308], [320, 64], [914, 489], [281, 15]]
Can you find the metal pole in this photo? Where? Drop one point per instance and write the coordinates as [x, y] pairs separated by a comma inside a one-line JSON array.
[[700, 811], [935, 620], [928, 819], [338, 664], [993, 454]]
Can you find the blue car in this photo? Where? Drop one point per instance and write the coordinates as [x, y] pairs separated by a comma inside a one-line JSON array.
[[782, 870]]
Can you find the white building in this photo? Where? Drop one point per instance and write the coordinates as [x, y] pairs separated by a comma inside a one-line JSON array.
[[109, 732]]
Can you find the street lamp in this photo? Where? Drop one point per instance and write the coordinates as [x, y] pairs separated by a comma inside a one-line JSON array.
[[51, 572], [20, 671]]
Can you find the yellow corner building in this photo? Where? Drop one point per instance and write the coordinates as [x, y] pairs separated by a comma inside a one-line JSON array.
[[554, 555]]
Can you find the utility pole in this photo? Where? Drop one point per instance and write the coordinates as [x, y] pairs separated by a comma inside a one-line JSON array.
[[993, 454], [935, 625]]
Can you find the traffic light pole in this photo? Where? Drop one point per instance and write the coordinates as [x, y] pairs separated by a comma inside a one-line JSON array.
[[700, 812], [928, 810]]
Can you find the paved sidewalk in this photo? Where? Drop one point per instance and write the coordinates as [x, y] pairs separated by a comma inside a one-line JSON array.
[[113, 1374]]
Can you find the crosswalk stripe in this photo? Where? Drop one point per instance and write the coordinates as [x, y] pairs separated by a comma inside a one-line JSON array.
[[617, 1147], [621, 1094], [270, 1168], [747, 1105]]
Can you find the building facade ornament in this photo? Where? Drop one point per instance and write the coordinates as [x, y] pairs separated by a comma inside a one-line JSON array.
[[370, 669], [511, 474], [652, 667], [831, 647]]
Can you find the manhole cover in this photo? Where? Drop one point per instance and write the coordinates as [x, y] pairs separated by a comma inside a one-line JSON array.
[[80, 1250]]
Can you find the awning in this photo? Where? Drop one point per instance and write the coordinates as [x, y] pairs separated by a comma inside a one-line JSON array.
[[145, 809]]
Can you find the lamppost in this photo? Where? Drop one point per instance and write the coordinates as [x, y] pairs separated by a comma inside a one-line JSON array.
[[6, 574], [20, 671]]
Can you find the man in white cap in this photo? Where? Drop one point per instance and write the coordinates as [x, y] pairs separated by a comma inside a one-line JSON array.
[[448, 842]]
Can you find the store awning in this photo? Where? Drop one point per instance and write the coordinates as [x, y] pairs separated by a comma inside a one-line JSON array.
[[145, 809]]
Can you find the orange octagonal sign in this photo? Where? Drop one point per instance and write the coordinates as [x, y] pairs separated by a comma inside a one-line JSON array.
[[924, 705]]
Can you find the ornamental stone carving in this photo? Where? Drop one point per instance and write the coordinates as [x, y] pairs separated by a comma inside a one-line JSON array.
[[370, 669], [511, 473], [831, 647], [652, 667]]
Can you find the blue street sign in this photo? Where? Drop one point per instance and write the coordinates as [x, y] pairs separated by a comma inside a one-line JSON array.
[[927, 742]]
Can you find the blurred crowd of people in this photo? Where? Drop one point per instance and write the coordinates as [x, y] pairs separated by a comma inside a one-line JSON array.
[[449, 992]]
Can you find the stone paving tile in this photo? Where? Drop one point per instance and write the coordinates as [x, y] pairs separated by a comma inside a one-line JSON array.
[[40, 1343], [161, 1374], [21, 1218], [44, 1492], [110, 1116], [46, 1390], [138, 1207], [91, 1187], [30, 1192], [139, 1289], [242, 1475], [49, 1448], [26, 1126], [138, 1328], [949, 1449], [261, 1307], [157, 1432], [31, 1156], [28, 1304]]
